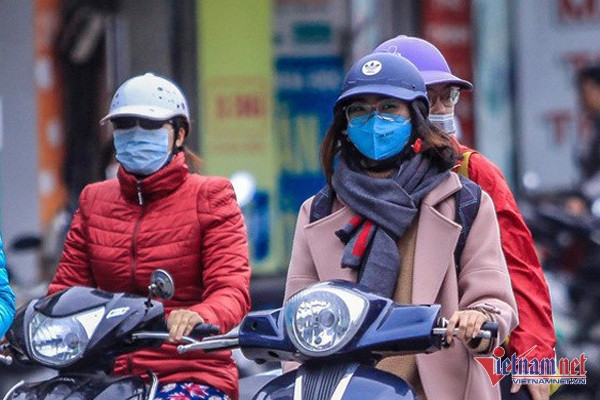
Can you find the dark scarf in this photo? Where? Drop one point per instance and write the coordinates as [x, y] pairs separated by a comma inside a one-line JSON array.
[[386, 207]]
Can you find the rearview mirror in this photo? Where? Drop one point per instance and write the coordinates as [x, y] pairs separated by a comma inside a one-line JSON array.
[[162, 285]]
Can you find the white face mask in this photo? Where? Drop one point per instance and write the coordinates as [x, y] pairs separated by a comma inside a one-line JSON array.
[[444, 121]]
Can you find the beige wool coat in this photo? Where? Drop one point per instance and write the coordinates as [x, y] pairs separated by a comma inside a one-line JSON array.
[[449, 374]]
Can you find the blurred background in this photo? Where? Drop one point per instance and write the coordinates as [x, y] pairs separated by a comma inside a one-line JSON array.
[[261, 77]]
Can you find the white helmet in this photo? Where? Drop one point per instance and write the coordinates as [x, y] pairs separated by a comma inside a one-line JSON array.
[[148, 96]]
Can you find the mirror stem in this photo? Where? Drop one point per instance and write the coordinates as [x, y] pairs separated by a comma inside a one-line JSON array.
[[151, 289]]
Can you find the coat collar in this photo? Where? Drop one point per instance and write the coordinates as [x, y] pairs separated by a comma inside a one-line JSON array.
[[437, 236], [157, 185], [326, 248], [441, 192]]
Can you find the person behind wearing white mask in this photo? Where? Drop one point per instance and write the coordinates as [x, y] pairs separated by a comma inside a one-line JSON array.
[[536, 327]]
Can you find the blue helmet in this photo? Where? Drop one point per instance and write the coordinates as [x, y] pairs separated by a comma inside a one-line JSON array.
[[386, 74]]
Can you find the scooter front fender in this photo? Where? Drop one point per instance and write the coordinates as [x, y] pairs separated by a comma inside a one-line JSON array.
[[359, 382], [81, 387]]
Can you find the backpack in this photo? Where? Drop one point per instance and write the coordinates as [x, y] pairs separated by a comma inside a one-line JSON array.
[[468, 199]]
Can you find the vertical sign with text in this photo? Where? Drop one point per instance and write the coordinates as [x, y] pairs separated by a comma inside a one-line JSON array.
[[554, 39], [310, 69], [235, 71]]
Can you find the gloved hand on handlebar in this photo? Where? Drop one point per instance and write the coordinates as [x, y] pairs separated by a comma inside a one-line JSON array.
[[181, 322]]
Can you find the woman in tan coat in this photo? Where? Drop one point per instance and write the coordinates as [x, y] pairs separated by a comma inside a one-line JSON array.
[[386, 219]]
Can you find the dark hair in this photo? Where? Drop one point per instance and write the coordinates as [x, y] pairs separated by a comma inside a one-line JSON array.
[[589, 73], [193, 160], [107, 156], [436, 145]]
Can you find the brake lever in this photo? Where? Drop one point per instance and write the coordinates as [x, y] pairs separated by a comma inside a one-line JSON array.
[[200, 331], [160, 336], [209, 344], [226, 341]]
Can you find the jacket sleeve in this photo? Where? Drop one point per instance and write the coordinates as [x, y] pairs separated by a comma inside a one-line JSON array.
[[302, 271], [7, 297], [74, 266], [483, 281], [536, 327], [226, 270]]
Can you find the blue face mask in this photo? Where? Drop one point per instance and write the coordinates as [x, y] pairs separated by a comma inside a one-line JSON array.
[[381, 136], [141, 151]]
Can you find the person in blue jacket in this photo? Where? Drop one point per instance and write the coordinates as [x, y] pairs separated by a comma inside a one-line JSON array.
[[7, 297]]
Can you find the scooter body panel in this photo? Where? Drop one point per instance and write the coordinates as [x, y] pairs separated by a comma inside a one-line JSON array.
[[83, 387], [386, 327], [364, 382], [123, 314], [280, 388], [374, 384]]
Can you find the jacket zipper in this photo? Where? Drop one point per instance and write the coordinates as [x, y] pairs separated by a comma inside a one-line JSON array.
[[138, 186], [135, 232]]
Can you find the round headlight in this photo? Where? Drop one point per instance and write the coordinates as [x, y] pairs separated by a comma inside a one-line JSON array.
[[60, 341], [56, 339], [321, 320]]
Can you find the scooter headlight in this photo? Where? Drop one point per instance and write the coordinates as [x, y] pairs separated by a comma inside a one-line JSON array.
[[322, 319], [60, 341]]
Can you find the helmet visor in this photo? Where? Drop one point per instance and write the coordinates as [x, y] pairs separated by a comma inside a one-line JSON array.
[[435, 77], [385, 90]]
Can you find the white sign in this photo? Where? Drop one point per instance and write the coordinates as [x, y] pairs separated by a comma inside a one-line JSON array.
[[554, 39], [308, 27]]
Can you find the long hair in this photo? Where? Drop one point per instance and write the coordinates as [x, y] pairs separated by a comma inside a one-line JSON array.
[[193, 161], [436, 145]]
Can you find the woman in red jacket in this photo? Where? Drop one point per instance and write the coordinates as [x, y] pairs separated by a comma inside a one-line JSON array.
[[156, 214]]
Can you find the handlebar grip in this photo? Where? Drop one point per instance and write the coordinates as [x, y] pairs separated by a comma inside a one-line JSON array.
[[491, 327], [203, 330]]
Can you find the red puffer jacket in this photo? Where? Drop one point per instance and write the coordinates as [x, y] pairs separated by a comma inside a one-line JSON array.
[[536, 327], [189, 225]]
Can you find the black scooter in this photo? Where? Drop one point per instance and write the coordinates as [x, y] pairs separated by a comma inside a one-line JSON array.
[[81, 331]]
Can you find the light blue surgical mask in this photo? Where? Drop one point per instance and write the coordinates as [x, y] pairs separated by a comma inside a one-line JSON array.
[[142, 151], [380, 136], [444, 121]]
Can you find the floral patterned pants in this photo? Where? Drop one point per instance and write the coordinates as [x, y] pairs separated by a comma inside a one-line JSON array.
[[189, 391]]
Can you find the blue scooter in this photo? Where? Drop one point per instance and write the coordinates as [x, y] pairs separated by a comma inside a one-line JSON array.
[[338, 331]]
